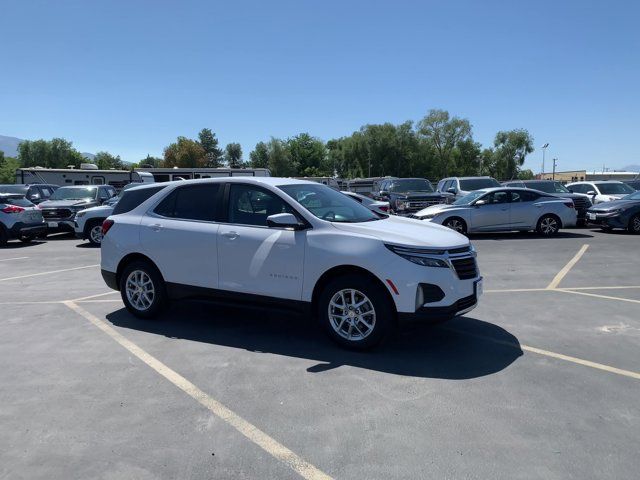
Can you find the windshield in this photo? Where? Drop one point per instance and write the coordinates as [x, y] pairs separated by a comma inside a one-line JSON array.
[[329, 204], [633, 196], [411, 185], [614, 188], [13, 189], [73, 193], [470, 197], [548, 187], [472, 184]]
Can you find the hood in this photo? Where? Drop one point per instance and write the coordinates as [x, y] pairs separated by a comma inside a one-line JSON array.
[[100, 208], [419, 195], [435, 209], [407, 231], [614, 204], [67, 203]]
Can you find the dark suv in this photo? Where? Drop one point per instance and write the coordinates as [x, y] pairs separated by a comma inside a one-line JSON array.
[[35, 192], [409, 195], [580, 201], [61, 208]]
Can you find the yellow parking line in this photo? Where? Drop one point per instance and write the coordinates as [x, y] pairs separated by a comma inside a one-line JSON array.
[[621, 299], [548, 353], [251, 432], [14, 258], [46, 273], [562, 273]]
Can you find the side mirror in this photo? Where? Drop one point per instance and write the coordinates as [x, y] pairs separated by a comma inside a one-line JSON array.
[[570, 190], [480, 202], [591, 192], [452, 190], [383, 193], [283, 220]]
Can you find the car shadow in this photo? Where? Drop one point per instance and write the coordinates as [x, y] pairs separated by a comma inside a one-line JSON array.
[[463, 348], [14, 245], [525, 236], [87, 245]]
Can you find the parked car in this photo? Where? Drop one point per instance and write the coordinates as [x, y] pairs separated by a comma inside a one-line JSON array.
[[601, 191], [288, 243], [461, 186], [635, 184], [408, 195], [88, 223], [581, 201], [374, 205], [623, 213], [36, 193], [504, 209], [61, 208], [19, 219]]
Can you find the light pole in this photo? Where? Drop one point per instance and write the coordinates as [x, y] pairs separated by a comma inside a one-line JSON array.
[[544, 150], [555, 163]]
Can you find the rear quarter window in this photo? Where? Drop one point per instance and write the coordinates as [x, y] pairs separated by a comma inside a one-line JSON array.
[[132, 198]]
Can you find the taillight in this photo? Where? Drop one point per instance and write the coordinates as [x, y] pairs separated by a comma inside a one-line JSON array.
[[106, 225], [384, 208], [12, 209]]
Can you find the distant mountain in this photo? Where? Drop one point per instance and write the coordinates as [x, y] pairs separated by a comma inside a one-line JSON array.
[[631, 168], [9, 145]]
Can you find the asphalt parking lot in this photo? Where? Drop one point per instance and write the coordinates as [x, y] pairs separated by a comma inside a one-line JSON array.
[[542, 380]]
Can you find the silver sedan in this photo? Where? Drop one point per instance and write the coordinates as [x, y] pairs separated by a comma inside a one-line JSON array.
[[504, 209]]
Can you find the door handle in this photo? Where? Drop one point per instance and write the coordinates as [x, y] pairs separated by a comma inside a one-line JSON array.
[[230, 235], [504, 209], [156, 227]]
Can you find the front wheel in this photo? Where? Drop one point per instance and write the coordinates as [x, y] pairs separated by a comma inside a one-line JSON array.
[[356, 312], [548, 226], [27, 238], [457, 224], [94, 233], [142, 289], [634, 224]]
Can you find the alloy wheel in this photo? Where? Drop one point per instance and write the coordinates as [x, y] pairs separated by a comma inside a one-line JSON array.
[[635, 224], [548, 225], [351, 314], [140, 290], [456, 225], [95, 234]]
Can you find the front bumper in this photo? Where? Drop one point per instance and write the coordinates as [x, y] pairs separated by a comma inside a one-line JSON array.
[[58, 225], [20, 229], [440, 314], [611, 221]]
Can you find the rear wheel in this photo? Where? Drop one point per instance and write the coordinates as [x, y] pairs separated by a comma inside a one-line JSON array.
[[634, 224], [457, 224], [548, 225], [94, 232], [142, 289], [356, 312], [27, 238]]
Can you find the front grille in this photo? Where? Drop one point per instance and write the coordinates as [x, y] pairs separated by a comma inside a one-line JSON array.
[[51, 213], [422, 204], [465, 303], [454, 251], [581, 203], [465, 267]]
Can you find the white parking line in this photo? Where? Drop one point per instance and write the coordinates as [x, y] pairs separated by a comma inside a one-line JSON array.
[[257, 436], [623, 287], [620, 299], [82, 299], [511, 290], [14, 258], [562, 273], [47, 273]]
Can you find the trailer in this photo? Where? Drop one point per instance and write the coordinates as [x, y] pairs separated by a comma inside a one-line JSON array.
[[86, 175], [176, 173]]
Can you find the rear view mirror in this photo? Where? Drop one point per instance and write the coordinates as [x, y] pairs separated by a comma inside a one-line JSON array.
[[452, 190], [283, 220], [480, 202]]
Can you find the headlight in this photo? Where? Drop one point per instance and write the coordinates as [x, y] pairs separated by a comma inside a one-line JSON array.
[[401, 205], [418, 258], [428, 217], [80, 214]]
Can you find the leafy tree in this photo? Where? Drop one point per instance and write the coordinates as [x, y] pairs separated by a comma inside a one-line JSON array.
[[511, 148], [233, 155], [259, 157], [444, 133], [151, 162], [105, 161], [209, 142], [8, 167], [526, 175], [279, 160], [308, 156], [55, 153], [185, 153]]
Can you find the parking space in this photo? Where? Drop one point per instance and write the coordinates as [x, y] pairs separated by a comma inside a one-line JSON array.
[[540, 381]]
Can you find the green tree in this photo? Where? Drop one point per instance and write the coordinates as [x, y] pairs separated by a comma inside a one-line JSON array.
[[185, 153], [105, 161], [526, 175], [151, 162], [209, 142], [280, 163], [233, 155], [55, 153], [308, 156], [8, 167], [259, 157], [444, 133], [511, 148]]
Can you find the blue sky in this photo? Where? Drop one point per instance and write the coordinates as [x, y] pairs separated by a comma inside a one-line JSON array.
[[129, 77]]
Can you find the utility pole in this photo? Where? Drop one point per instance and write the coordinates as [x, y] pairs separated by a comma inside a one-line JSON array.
[[544, 150], [555, 163]]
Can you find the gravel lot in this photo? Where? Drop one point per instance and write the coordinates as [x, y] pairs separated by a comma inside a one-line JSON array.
[[536, 382]]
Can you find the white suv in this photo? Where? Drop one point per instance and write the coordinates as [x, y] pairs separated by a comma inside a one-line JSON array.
[[288, 243]]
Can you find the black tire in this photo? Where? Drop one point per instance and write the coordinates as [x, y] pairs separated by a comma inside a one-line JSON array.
[[27, 239], [606, 228], [97, 223], [457, 224], [381, 324], [548, 225], [43, 236], [634, 224], [158, 300], [4, 238]]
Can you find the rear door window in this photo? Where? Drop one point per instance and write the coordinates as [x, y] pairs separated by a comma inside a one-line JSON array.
[[132, 198], [193, 202]]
